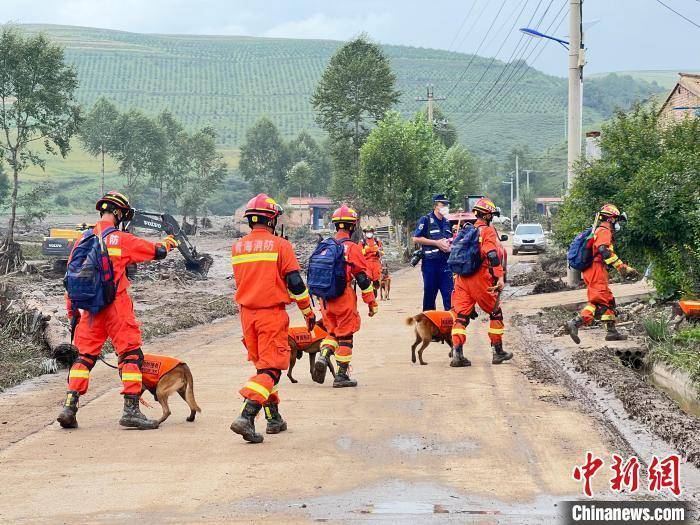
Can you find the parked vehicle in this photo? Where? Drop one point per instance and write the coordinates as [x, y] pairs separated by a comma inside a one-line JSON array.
[[530, 238]]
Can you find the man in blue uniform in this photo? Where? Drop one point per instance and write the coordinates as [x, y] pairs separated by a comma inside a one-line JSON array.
[[434, 234]]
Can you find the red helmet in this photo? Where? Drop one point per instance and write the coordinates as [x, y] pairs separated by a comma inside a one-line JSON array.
[[611, 211], [263, 205], [344, 214], [485, 205], [113, 200]]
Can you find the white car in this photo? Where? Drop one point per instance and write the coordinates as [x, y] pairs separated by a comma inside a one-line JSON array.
[[529, 238]]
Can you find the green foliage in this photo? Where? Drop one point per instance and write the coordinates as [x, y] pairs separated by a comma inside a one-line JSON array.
[[528, 206], [4, 185], [403, 164], [299, 176], [263, 158], [652, 172], [98, 130], [463, 172], [206, 171], [681, 351], [34, 204], [444, 129], [303, 147], [656, 329], [617, 92], [40, 86]]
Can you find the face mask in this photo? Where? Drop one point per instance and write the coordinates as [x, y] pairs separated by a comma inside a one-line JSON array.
[[444, 210], [617, 226], [369, 235]]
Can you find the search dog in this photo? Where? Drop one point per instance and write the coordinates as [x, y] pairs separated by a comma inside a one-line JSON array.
[[385, 284], [178, 379], [427, 330], [298, 347]]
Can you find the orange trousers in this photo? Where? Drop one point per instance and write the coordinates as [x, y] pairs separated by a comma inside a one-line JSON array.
[[374, 269], [118, 323], [469, 292], [341, 320], [601, 302], [265, 337]]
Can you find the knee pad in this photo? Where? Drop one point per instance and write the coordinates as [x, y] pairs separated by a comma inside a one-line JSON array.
[[496, 315], [87, 360], [132, 356], [273, 373]]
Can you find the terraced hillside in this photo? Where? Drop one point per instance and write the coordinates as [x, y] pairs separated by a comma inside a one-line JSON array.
[[228, 82]]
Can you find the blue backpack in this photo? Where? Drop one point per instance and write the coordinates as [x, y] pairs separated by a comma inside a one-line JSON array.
[[580, 254], [89, 279], [326, 277], [465, 257]]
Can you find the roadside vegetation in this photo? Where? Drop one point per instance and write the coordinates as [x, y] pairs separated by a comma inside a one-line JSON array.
[[679, 350]]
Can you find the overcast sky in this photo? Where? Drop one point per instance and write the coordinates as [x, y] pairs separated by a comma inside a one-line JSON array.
[[629, 34]]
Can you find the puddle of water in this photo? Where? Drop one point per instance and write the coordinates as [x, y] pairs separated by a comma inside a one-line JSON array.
[[403, 507]]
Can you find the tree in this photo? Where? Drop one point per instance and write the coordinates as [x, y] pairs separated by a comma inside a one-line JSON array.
[[140, 147], [300, 176], [304, 148], [355, 90], [207, 171], [98, 130], [528, 205], [463, 172], [445, 130], [170, 177], [37, 105], [263, 158], [403, 164]]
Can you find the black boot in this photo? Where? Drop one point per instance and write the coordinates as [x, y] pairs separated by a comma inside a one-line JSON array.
[[321, 365], [458, 359], [132, 416], [612, 333], [571, 328], [244, 424], [342, 379], [500, 355], [67, 417], [275, 423]]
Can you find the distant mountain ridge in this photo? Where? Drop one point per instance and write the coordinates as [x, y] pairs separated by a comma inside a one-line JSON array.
[[228, 82]]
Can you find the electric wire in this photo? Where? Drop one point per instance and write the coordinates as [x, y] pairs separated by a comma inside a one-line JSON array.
[[461, 26], [679, 14]]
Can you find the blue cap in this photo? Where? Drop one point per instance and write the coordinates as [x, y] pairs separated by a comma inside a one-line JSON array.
[[441, 198]]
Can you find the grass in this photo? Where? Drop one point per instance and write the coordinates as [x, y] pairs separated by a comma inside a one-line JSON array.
[[679, 350]]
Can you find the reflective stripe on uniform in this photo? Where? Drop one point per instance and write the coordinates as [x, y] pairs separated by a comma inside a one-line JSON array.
[[306, 310], [496, 330], [274, 389], [607, 317], [611, 259], [618, 263], [254, 257], [302, 295], [79, 373], [131, 376], [370, 288], [114, 252], [461, 331], [255, 387], [330, 342], [590, 308], [343, 358]]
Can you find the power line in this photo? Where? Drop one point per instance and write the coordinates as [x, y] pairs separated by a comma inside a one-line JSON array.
[[516, 64], [464, 72], [464, 20], [679, 14]]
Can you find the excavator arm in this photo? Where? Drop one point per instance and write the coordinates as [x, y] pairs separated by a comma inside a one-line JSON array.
[[164, 223]]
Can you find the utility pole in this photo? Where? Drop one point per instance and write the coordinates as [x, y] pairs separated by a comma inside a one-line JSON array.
[[430, 98], [517, 187], [527, 174], [577, 60], [511, 198]]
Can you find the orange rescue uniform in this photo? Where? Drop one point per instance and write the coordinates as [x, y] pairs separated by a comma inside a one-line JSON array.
[[373, 250], [261, 261], [117, 321], [472, 290], [441, 319], [156, 366], [304, 338], [601, 302], [340, 316]]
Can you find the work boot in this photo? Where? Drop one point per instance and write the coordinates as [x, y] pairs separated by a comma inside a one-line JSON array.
[[320, 367], [500, 355], [244, 424], [571, 328], [67, 417], [342, 379], [275, 423], [613, 334], [458, 359], [132, 416]]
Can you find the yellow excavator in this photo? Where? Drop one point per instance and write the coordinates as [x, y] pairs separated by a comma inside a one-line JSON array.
[[60, 241]]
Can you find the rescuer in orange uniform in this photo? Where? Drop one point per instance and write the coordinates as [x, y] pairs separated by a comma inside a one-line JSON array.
[[601, 302], [482, 288], [116, 321], [267, 279], [373, 250], [340, 316]]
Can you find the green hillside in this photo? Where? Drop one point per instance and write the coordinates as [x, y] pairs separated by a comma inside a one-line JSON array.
[[664, 78], [228, 82]]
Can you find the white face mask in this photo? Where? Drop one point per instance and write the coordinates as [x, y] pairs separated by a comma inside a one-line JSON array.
[[444, 210], [369, 235], [617, 226]]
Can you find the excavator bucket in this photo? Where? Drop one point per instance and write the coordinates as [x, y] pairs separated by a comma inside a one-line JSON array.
[[200, 264]]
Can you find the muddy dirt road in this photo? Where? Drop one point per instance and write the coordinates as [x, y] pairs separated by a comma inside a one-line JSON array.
[[411, 443]]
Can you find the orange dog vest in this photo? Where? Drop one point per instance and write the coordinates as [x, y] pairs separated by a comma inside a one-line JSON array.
[[443, 320], [156, 366], [303, 338]]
